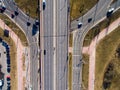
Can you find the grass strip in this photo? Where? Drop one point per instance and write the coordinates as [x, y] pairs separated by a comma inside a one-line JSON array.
[[85, 72], [70, 71], [70, 39]]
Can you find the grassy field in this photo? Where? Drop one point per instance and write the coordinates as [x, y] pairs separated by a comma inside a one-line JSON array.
[[105, 55], [70, 39], [13, 73], [70, 71], [15, 29], [28, 6], [85, 72], [80, 7], [95, 30]]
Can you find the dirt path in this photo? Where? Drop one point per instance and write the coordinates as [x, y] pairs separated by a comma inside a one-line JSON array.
[[20, 50], [92, 48]]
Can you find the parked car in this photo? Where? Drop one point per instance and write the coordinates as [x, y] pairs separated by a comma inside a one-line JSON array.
[[8, 80], [16, 13], [8, 68]]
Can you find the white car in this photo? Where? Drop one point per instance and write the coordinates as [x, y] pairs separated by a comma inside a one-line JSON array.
[[1, 83], [111, 10]]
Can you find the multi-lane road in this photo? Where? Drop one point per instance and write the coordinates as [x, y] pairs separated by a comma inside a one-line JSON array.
[[54, 26], [55, 48]]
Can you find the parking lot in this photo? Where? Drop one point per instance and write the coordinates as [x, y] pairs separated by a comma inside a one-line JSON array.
[[5, 66]]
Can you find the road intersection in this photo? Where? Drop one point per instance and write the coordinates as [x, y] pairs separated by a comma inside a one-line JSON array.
[[54, 30]]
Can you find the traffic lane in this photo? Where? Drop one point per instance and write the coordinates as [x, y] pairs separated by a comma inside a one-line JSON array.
[[33, 67], [62, 46], [48, 45]]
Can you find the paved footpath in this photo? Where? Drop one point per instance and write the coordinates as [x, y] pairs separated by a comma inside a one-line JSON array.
[[20, 50], [92, 48]]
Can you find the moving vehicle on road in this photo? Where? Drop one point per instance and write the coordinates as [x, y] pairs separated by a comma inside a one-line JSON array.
[[109, 12], [44, 4], [89, 20], [79, 25]]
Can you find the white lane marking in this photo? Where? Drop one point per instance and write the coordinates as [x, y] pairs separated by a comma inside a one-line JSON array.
[[54, 44]]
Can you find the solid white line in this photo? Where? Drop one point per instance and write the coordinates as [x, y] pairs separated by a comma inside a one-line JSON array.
[[54, 44]]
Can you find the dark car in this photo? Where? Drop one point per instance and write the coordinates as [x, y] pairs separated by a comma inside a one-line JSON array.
[[8, 87], [34, 29], [89, 20], [16, 13], [37, 22], [12, 15], [4, 8], [109, 12], [8, 68], [8, 80], [8, 61], [44, 52], [28, 23], [79, 25], [44, 5]]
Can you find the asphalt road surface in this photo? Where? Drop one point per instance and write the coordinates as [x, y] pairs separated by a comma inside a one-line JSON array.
[[54, 35]]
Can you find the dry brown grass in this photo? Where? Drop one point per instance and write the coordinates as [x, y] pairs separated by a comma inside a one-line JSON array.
[[105, 53], [70, 71], [80, 7], [85, 72]]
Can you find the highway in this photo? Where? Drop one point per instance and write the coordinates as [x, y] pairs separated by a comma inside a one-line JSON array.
[[21, 21], [97, 13], [55, 48]]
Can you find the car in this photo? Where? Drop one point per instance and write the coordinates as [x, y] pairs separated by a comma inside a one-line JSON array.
[[16, 13], [8, 61], [109, 12], [4, 8], [44, 52], [37, 22], [8, 87], [8, 80], [44, 4], [8, 68], [12, 15], [28, 23], [89, 20], [79, 25]]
